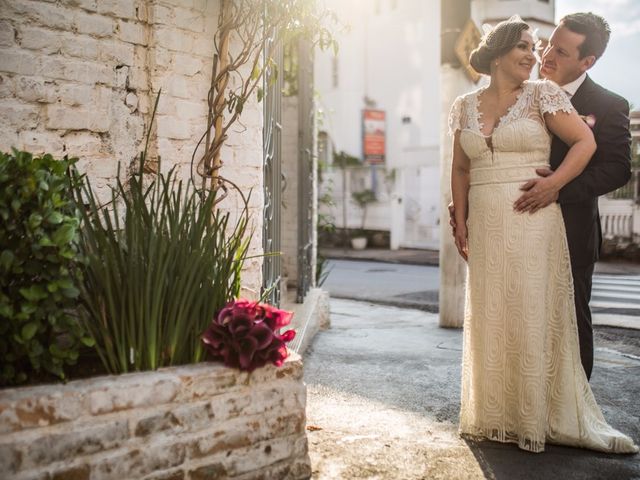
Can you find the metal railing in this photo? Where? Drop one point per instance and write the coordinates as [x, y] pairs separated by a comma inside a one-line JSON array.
[[272, 132], [306, 171]]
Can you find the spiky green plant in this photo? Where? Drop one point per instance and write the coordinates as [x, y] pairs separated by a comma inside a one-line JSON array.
[[160, 262]]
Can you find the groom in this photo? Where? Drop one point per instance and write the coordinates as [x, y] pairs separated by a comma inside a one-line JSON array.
[[575, 45]]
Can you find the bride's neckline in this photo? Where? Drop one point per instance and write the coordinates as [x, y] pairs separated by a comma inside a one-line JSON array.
[[500, 121]]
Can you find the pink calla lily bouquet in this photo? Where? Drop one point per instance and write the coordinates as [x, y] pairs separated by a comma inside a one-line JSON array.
[[245, 335]]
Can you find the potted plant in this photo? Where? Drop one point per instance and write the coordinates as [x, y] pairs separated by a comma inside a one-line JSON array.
[[362, 198]]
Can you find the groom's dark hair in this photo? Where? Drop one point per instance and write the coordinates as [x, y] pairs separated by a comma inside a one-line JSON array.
[[595, 29]]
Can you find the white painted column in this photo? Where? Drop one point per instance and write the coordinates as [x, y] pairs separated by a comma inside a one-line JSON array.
[[453, 269]]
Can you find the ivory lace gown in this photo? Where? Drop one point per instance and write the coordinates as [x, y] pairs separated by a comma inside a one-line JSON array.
[[522, 380]]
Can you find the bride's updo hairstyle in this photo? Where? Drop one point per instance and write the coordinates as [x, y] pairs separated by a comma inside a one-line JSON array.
[[496, 42]]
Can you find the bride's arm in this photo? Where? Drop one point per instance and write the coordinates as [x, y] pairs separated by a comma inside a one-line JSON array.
[[460, 194], [570, 128], [573, 131]]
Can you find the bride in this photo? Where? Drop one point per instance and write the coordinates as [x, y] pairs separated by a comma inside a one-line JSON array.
[[522, 380]]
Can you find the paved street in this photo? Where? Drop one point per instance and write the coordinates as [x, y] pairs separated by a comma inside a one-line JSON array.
[[383, 399], [615, 299]]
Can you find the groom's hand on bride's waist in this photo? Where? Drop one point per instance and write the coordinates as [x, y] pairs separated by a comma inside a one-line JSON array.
[[538, 193]]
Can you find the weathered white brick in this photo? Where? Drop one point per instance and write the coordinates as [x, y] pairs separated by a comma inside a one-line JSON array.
[[8, 137], [80, 46], [132, 32], [50, 15], [138, 79], [41, 142], [75, 94], [41, 39], [82, 143], [92, 24], [162, 57], [116, 52], [203, 46], [187, 64], [88, 72], [161, 14], [188, 19], [34, 89], [21, 115], [118, 8], [168, 127], [188, 110], [15, 61], [7, 34], [174, 39], [62, 117], [91, 5], [7, 87], [178, 86]]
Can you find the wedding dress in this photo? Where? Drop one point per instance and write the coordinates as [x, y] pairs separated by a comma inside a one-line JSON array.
[[522, 380]]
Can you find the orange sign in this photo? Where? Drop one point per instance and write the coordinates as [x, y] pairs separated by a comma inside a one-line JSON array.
[[374, 126]]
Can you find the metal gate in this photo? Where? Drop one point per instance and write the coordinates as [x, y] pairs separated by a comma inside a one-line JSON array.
[[271, 134], [307, 195]]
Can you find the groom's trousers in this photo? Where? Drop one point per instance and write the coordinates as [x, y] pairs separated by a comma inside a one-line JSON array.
[[582, 278]]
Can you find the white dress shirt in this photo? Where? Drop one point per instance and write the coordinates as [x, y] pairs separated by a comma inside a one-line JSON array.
[[572, 87]]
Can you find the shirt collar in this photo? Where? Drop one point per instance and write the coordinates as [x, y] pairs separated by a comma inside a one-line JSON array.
[[572, 87]]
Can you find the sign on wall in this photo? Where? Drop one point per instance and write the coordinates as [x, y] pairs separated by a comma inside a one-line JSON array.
[[373, 141]]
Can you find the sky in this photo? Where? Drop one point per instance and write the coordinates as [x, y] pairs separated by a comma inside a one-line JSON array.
[[619, 68]]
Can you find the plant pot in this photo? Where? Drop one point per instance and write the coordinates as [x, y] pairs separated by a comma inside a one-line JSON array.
[[163, 424], [359, 243]]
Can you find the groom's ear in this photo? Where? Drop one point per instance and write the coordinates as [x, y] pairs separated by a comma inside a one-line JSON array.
[[587, 62]]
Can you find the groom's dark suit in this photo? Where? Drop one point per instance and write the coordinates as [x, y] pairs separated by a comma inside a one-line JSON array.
[[609, 168]]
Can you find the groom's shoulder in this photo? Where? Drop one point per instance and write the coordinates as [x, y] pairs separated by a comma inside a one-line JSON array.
[[606, 95]]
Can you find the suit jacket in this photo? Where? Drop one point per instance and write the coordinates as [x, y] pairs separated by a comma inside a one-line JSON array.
[[609, 169]]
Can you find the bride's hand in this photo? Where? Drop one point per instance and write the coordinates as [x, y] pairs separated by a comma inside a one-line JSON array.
[[461, 240], [538, 193]]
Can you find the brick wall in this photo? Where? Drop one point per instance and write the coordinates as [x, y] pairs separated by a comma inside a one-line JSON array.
[[194, 422], [79, 77]]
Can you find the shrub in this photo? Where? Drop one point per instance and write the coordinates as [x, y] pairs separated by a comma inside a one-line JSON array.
[[39, 262]]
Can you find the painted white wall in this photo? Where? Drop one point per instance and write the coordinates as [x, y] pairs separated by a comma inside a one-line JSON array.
[[390, 54]]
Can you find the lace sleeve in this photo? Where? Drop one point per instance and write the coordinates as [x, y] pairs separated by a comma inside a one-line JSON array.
[[553, 99], [454, 116]]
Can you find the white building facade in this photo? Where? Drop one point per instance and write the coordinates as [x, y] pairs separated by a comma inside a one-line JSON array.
[[389, 60]]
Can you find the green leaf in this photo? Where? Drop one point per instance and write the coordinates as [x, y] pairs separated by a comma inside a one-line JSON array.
[[45, 241], [34, 220], [63, 235], [88, 341], [56, 351], [34, 293], [6, 259], [29, 330], [55, 218], [255, 74], [72, 292], [6, 310]]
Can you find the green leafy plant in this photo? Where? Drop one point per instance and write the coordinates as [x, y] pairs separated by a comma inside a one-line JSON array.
[[160, 262], [39, 266], [343, 160], [363, 198]]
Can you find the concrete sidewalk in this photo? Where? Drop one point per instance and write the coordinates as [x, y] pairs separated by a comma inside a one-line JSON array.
[[383, 399]]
